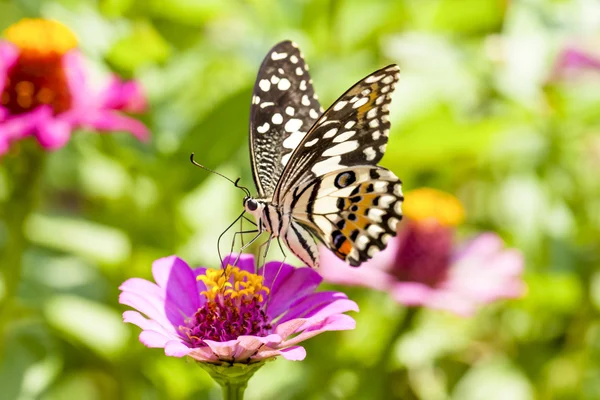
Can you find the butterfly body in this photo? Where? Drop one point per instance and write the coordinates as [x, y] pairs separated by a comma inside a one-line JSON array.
[[316, 172]]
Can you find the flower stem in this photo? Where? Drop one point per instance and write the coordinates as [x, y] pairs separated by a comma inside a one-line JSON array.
[[25, 170], [234, 391], [233, 378]]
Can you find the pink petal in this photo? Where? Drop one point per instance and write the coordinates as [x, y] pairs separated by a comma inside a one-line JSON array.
[[224, 350], [54, 133], [242, 261], [288, 328], [153, 339], [127, 96], [204, 354], [248, 345], [134, 317], [151, 308], [411, 293], [338, 322], [295, 353], [106, 120], [17, 127], [287, 284], [82, 96], [178, 284], [8, 56], [175, 348], [310, 305], [371, 274]]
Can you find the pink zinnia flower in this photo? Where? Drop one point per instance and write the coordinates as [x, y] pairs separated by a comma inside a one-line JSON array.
[[232, 315], [44, 93], [423, 267]]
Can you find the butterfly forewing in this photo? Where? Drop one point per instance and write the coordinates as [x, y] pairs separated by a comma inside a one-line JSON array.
[[284, 107], [353, 131]]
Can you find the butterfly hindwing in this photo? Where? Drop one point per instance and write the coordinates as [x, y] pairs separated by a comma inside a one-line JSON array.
[[284, 107], [353, 211], [353, 131]]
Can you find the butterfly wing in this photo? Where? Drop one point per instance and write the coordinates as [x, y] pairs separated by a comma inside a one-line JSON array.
[[332, 185], [353, 211], [353, 131], [284, 107]]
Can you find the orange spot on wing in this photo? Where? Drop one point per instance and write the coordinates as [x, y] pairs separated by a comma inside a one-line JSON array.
[[344, 249]]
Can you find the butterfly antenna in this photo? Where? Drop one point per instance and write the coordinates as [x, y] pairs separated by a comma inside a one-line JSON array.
[[235, 183]]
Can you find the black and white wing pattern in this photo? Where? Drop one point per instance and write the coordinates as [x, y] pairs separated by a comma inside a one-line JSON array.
[[353, 131], [332, 185], [284, 107]]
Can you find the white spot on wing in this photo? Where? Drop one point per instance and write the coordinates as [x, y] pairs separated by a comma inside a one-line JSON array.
[[339, 105], [376, 135], [375, 214], [277, 118], [299, 71], [373, 123], [264, 85], [342, 137], [349, 124], [302, 85], [267, 104], [360, 102], [293, 140], [388, 79], [330, 133], [284, 84], [285, 158], [341, 148], [289, 111], [274, 79], [370, 153], [305, 101], [374, 78], [278, 56], [293, 125], [311, 143], [327, 165], [294, 59], [263, 128], [313, 114], [372, 113]]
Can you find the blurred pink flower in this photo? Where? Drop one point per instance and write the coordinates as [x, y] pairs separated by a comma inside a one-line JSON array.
[[572, 61], [44, 92], [233, 315], [422, 266]]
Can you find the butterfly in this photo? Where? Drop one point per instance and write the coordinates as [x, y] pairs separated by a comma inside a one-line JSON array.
[[316, 172]]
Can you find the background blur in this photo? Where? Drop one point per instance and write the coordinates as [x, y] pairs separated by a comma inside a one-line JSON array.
[[479, 112]]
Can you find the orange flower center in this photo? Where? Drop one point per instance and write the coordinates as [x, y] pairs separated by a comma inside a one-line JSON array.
[[428, 204], [38, 76]]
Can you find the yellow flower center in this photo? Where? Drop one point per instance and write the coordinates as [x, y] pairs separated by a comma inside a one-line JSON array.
[[234, 283], [431, 204], [41, 36]]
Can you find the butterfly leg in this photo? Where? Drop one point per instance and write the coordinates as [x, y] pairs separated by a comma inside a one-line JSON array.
[[266, 245], [254, 239]]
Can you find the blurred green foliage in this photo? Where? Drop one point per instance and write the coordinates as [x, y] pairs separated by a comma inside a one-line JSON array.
[[476, 113]]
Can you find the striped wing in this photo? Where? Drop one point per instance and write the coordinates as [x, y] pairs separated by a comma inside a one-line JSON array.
[[353, 131], [332, 185], [284, 107], [353, 211]]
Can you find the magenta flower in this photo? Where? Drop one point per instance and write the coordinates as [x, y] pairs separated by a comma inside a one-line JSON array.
[[232, 315], [44, 92], [423, 267]]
